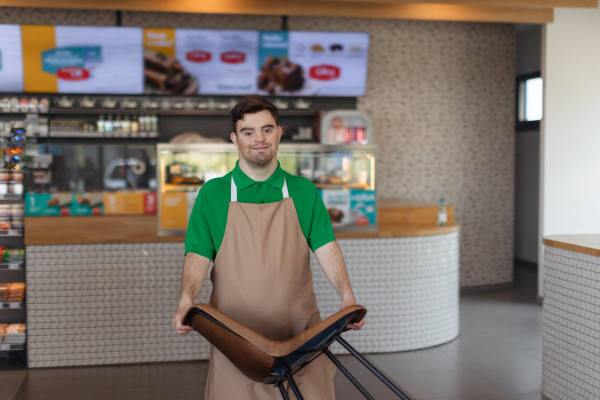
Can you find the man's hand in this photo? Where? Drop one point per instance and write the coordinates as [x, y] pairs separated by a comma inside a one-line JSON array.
[[195, 268], [351, 302], [178, 321]]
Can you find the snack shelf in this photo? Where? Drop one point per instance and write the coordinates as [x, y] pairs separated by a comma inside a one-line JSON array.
[[159, 111], [11, 266], [11, 347], [12, 233], [94, 134], [12, 305]]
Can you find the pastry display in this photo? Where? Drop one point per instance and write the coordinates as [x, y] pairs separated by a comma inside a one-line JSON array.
[[165, 75], [279, 75], [335, 214]]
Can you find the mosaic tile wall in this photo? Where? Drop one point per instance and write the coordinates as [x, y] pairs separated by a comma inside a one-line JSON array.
[[111, 304], [571, 352], [442, 98]]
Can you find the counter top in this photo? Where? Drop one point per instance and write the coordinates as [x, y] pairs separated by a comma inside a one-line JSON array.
[[143, 229], [586, 244]]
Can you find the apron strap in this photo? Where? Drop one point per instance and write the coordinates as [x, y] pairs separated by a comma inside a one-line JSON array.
[[284, 190]]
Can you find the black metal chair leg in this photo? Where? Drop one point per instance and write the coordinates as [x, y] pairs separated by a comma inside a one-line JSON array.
[[371, 368], [283, 391], [294, 387], [351, 378]]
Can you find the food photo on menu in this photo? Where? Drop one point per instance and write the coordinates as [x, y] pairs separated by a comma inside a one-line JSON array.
[[164, 74]]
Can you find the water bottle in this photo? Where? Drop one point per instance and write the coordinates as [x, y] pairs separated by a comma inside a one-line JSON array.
[[442, 217]]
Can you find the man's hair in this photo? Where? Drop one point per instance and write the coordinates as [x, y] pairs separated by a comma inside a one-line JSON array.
[[251, 104]]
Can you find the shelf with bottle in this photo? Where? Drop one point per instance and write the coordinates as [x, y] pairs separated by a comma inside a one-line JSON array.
[[12, 337], [117, 126]]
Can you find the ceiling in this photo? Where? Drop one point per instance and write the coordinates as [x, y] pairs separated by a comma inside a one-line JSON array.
[[512, 11]]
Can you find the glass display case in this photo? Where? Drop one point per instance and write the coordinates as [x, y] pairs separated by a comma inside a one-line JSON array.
[[344, 175]]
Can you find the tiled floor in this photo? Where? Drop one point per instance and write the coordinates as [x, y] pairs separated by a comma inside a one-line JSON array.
[[497, 356]]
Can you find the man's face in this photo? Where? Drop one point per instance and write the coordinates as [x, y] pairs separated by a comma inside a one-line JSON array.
[[257, 138]]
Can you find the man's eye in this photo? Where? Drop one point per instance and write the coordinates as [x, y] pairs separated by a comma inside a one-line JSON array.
[[268, 130], [247, 133]]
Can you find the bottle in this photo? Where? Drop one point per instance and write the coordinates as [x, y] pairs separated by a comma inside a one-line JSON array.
[[126, 125], [442, 217], [135, 126], [100, 124], [108, 125], [117, 124]]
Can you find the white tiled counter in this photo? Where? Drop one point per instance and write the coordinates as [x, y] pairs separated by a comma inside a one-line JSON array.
[[571, 353], [113, 303]]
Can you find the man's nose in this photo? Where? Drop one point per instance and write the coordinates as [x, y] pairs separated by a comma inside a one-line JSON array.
[[260, 137]]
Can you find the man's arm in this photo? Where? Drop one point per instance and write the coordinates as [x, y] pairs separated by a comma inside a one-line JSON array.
[[332, 263], [195, 269]]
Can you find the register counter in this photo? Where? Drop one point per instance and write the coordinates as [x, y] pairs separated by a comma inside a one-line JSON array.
[[571, 346], [103, 290]]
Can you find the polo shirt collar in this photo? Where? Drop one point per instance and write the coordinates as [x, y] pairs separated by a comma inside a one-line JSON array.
[[242, 180]]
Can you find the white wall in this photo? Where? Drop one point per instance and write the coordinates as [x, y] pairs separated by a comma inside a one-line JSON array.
[[572, 124], [570, 201]]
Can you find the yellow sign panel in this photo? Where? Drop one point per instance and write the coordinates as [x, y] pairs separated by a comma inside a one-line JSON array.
[[123, 203], [160, 41], [36, 39], [173, 210]]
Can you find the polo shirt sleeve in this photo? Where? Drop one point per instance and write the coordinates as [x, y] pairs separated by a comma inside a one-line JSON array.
[[198, 238], [321, 231]]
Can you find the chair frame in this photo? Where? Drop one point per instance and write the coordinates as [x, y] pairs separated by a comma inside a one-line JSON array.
[[286, 363]]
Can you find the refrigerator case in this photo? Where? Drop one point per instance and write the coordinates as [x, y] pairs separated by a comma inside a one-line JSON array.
[[346, 127], [343, 174]]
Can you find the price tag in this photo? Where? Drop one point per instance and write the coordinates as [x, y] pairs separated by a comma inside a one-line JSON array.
[[4, 346], [13, 266], [14, 305]]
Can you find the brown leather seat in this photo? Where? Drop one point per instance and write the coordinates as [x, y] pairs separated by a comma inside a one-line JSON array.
[[273, 361]]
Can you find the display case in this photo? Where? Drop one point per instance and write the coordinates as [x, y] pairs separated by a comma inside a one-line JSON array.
[[344, 175]]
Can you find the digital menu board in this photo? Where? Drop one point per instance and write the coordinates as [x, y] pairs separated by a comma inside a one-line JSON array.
[[313, 63], [11, 59], [167, 61], [76, 59]]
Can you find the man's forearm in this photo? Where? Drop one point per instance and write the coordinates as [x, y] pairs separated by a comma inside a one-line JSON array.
[[334, 267], [195, 269]]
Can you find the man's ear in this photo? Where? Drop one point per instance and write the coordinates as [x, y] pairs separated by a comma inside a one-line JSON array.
[[233, 137], [280, 130]]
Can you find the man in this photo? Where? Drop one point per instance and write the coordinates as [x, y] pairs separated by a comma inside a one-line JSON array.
[[258, 223]]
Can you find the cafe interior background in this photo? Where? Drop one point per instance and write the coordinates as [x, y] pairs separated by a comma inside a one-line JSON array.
[[442, 97]]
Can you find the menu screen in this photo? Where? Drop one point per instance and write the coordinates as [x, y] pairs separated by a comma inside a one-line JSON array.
[[123, 60], [75, 59], [223, 62], [313, 63], [11, 59]]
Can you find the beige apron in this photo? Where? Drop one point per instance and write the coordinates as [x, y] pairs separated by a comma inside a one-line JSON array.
[[261, 277]]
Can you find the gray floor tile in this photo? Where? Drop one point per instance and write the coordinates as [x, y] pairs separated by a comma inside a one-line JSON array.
[[10, 382], [530, 396], [459, 383], [514, 380]]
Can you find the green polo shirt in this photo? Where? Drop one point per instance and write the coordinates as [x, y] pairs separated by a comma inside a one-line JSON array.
[[206, 226]]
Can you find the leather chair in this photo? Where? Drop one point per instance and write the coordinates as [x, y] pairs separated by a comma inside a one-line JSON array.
[[275, 362]]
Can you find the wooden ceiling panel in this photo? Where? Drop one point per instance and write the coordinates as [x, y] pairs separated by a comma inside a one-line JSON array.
[[399, 9], [490, 3]]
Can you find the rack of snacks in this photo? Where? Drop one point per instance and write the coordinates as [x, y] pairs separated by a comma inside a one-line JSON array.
[[12, 253]]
